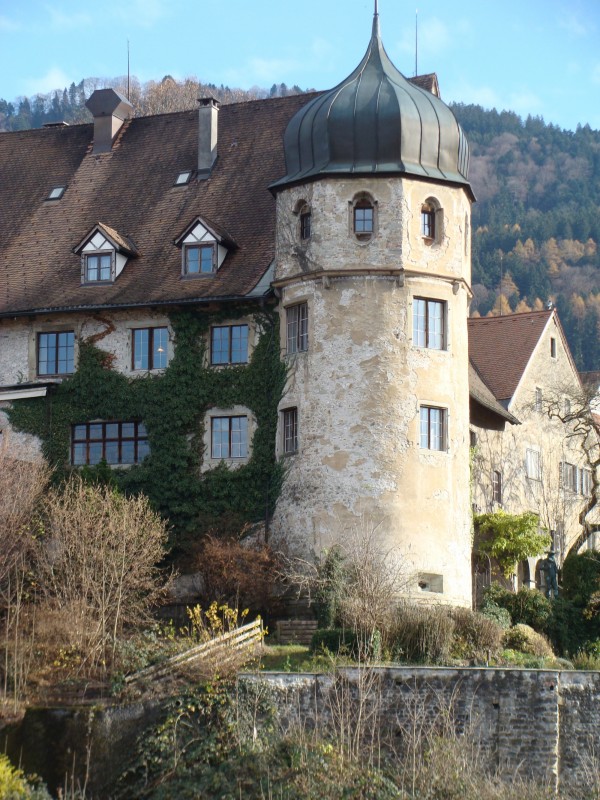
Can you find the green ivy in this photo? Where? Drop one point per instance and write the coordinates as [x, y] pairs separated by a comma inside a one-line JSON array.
[[173, 405]]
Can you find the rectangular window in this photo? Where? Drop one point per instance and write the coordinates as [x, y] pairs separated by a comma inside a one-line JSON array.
[[290, 430], [305, 220], [552, 347], [297, 328], [113, 442], [229, 437], [569, 476], [199, 259], [497, 486], [538, 399], [429, 323], [229, 344], [98, 267], [56, 353], [586, 482], [363, 218], [149, 348], [433, 428], [533, 466], [428, 223]]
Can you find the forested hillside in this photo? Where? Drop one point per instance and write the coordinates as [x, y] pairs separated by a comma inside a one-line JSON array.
[[536, 225]]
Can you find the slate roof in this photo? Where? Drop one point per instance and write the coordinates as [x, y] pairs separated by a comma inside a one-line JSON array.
[[500, 348], [131, 191]]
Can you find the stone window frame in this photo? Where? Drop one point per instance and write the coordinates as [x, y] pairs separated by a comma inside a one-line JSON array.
[[57, 373], [233, 462], [431, 221], [150, 329], [363, 200], [230, 326], [426, 331], [303, 212], [50, 327]]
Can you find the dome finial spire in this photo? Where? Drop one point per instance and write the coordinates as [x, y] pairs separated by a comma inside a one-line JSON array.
[[376, 9]]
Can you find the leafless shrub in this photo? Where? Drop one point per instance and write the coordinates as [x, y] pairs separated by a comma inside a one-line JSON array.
[[475, 635], [422, 634], [97, 565]]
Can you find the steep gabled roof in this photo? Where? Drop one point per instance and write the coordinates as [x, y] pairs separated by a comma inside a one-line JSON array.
[[131, 190], [480, 393], [501, 347]]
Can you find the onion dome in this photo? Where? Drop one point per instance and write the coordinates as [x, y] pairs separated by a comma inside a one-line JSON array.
[[375, 121]]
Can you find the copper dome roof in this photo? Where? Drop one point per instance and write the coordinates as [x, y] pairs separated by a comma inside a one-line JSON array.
[[375, 121]]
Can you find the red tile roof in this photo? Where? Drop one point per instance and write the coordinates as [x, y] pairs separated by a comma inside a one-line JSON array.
[[131, 190], [500, 348]]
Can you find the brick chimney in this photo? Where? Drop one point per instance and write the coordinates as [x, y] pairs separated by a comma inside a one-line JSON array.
[[208, 131], [109, 109]]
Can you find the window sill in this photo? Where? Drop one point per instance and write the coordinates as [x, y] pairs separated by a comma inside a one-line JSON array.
[[195, 275], [230, 463]]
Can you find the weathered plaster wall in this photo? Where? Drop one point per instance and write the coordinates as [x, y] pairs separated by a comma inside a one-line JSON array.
[[359, 386], [557, 506]]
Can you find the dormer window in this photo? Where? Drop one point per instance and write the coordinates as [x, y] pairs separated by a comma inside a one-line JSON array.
[[98, 267], [104, 253], [204, 247], [199, 259]]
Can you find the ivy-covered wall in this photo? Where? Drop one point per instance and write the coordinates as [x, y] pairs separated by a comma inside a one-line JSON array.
[[173, 405]]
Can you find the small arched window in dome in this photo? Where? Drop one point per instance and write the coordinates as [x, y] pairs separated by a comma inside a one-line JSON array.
[[431, 221], [363, 217]]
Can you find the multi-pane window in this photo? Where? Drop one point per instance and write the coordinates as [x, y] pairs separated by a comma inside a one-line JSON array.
[[433, 428], [229, 437], [297, 328], [497, 486], [427, 221], [55, 353], [364, 219], [229, 344], [586, 482], [199, 259], [98, 267], [290, 430], [113, 442], [533, 464], [305, 225], [150, 348], [576, 479], [428, 323]]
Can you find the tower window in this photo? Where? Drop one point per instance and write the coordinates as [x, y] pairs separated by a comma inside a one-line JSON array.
[[429, 323], [552, 347], [290, 431], [297, 328], [428, 222], [434, 424], [305, 225]]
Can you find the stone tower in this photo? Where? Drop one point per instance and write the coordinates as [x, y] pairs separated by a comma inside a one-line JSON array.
[[373, 273]]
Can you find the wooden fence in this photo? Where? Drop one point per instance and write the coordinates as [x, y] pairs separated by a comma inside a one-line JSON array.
[[224, 647]]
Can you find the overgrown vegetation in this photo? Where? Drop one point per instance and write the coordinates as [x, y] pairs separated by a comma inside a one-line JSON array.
[[172, 406], [510, 538]]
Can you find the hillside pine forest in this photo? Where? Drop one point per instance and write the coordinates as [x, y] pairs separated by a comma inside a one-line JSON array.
[[536, 223]]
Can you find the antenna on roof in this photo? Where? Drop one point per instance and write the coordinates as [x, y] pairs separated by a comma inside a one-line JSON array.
[[501, 280], [416, 39], [128, 93]]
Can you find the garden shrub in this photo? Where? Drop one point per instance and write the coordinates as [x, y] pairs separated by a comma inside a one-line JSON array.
[[581, 577], [336, 640], [525, 639], [567, 628], [501, 616], [475, 636], [422, 634], [15, 786], [527, 606]]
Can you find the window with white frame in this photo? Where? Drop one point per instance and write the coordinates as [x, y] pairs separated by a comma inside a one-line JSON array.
[[297, 328], [538, 399], [497, 486], [149, 348], [429, 323], [56, 353], [229, 437], [433, 428], [576, 479], [229, 344], [290, 430], [533, 464]]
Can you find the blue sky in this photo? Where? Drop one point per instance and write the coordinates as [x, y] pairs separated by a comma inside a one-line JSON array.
[[530, 56]]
